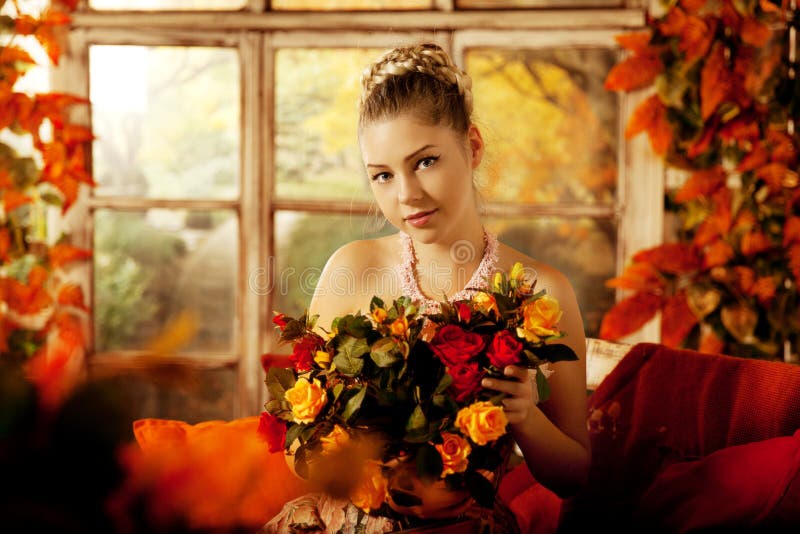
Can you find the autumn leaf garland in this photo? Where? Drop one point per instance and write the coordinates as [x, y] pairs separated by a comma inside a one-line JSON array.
[[720, 112]]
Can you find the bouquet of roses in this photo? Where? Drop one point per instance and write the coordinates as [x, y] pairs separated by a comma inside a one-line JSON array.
[[411, 382]]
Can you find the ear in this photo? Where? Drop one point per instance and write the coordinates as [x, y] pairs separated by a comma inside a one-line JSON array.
[[475, 142]]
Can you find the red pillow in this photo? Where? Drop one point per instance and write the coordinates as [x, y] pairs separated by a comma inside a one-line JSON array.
[[743, 486]]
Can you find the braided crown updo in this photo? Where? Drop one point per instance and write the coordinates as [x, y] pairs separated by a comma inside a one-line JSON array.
[[420, 79]]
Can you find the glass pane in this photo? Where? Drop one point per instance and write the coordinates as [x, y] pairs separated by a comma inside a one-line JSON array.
[[152, 266], [303, 243], [166, 121], [496, 4], [549, 125], [193, 395], [331, 5], [583, 249], [152, 5], [317, 153]]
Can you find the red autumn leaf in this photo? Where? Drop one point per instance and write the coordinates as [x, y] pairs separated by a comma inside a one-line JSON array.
[[764, 289], [715, 82], [5, 243], [701, 184], [629, 315], [12, 199], [742, 130], [710, 343], [651, 116], [754, 32], [782, 146], [716, 254], [63, 254], [745, 277], [696, 38], [721, 217], [768, 7], [774, 175], [73, 134], [754, 159], [793, 254], [677, 320], [673, 23], [636, 42], [71, 295], [693, 6], [674, 258], [754, 242], [638, 277], [634, 73], [791, 231], [26, 299], [58, 366], [703, 142], [756, 67]]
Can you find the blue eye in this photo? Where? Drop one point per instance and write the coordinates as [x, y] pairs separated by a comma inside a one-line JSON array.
[[380, 177], [424, 163]]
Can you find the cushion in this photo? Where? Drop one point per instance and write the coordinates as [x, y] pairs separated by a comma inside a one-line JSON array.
[[747, 486], [213, 474]]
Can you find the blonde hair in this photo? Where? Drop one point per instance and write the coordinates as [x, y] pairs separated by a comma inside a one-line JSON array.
[[420, 79]]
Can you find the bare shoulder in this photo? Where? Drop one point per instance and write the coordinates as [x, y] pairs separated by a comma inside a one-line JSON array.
[[353, 274], [547, 277]]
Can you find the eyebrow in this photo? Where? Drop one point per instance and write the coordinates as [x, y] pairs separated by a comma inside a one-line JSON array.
[[410, 156]]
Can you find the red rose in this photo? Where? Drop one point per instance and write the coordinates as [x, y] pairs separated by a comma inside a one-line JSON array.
[[466, 380], [303, 353], [272, 430], [454, 345], [464, 313], [504, 349], [280, 321]]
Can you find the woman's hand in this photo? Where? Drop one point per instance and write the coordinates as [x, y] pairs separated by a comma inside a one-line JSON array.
[[521, 395]]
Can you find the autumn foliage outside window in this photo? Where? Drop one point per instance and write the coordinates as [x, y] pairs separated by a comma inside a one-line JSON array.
[[724, 111], [42, 312]]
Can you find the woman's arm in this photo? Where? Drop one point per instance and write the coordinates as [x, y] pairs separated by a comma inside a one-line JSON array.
[[553, 435]]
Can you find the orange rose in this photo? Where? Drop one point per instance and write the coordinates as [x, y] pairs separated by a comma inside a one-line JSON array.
[[482, 422], [540, 319], [486, 303], [372, 489], [454, 452], [334, 441], [399, 326], [307, 399], [379, 314]]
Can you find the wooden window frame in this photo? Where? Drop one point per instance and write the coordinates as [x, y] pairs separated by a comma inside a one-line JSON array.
[[256, 34]]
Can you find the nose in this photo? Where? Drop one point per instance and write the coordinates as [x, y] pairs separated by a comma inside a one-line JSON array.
[[410, 189]]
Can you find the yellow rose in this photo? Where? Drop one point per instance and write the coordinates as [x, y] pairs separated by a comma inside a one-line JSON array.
[[517, 272], [399, 326], [498, 281], [323, 359], [482, 422], [541, 319], [372, 489], [334, 441], [454, 452], [486, 303], [379, 314], [307, 399]]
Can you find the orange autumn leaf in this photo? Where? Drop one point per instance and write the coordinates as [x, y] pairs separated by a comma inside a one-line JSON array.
[[754, 159], [634, 73], [26, 299], [12, 199], [58, 366], [696, 38], [636, 42], [745, 278], [754, 32], [782, 146], [793, 254], [756, 70], [673, 23], [37, 277], [715, 83], [693, 6], [651, 116], [777, 176], [629, 315], [718, 253], [73, 134], [677, 320], [791, 230], [701, 183], [674, 258], [63, 254], [764, 289], [638, 277], [742, 130], [5, 243], [5, 179], [71, 295], [754, 242], [703, 142], [15, 54], [69, 187], [710, 343]]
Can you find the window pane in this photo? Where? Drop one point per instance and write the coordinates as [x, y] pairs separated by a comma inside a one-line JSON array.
[[583, 249], [549, 125], [317, 154], [192, 395], [303, 243], [496, 4], [151, 266], [148, 5], [331, 5], [166, 121]]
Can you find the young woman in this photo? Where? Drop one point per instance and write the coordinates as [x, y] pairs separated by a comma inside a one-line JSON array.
[[420, 149]]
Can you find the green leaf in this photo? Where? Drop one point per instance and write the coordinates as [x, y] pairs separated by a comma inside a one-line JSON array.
[[294, 329], [556, 352], [278, 380], [417, 420], [348, 355], [384, 352], [337, 390], [542, 386], [429, 462], [444, 383], [353, 404], [375, 303], [354, 325], [293, 432]]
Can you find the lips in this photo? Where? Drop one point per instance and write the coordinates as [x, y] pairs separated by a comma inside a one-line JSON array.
[[419, 215]]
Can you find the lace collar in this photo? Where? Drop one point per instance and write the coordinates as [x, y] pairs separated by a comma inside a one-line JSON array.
[[478, 281]]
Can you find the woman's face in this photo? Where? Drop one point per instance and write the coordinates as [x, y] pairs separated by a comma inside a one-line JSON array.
[[421, 175]]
